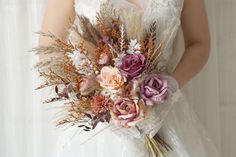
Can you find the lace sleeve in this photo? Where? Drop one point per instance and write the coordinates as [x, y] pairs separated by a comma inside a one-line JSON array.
[[167, 13]]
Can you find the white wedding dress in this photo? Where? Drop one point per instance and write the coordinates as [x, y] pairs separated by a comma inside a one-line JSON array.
[[181, 128]]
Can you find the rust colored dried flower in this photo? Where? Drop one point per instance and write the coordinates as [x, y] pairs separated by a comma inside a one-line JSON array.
[[100, 104]]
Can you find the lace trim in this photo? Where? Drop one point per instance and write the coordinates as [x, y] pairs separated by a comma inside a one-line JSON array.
[[165, 3]]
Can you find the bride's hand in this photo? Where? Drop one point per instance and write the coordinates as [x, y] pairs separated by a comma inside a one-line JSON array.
[[156, 115], [173, 84]]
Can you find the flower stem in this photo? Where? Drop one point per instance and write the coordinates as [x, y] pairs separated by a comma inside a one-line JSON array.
[[157, 146]]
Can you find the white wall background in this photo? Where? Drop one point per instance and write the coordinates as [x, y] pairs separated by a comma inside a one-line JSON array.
[[25, 125], [213, 91]]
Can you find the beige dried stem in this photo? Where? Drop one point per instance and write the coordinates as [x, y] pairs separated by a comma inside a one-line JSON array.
[[166, 38], [133, 24], [157, 147]]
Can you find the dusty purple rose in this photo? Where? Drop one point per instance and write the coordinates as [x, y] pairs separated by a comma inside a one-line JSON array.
[[154, 89], [132, 65]]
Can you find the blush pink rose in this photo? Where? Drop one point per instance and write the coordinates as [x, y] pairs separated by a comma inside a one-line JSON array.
[[110, 78]]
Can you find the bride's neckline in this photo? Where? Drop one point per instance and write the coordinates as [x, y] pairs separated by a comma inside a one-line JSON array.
[[135, 3], [138, 4]]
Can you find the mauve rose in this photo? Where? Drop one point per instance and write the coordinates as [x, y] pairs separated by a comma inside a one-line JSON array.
[[154, 89], [132, 65], [87, 85], [127, 112]]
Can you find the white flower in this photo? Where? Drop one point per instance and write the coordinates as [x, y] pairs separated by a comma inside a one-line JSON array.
[[77, 58], [112, 94], [118, 60], [134, 47]]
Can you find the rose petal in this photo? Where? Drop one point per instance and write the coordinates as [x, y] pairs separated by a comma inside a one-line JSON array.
[[128, 116]]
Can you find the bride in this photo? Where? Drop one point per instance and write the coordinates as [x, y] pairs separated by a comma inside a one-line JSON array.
[[181, 128]]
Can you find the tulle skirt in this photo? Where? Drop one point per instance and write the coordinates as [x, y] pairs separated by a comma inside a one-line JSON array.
[[181, 130]]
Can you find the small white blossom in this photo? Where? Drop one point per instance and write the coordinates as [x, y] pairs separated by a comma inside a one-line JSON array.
[[134, 47], [118, 60], [112, 94], [77, 58]]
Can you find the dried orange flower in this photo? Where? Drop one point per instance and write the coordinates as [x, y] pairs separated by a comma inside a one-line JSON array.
[[100, 104]]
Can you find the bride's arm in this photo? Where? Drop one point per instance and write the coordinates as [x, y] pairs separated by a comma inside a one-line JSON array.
[[197, 41], [56, 20]]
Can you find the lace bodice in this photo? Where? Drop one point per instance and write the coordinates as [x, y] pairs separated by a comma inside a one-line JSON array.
[[166, 12]]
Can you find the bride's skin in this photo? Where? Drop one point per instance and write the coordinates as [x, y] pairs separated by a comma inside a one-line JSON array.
[[194, 24]]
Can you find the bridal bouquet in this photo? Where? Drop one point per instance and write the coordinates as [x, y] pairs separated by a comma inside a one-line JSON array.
[[107, 77]]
